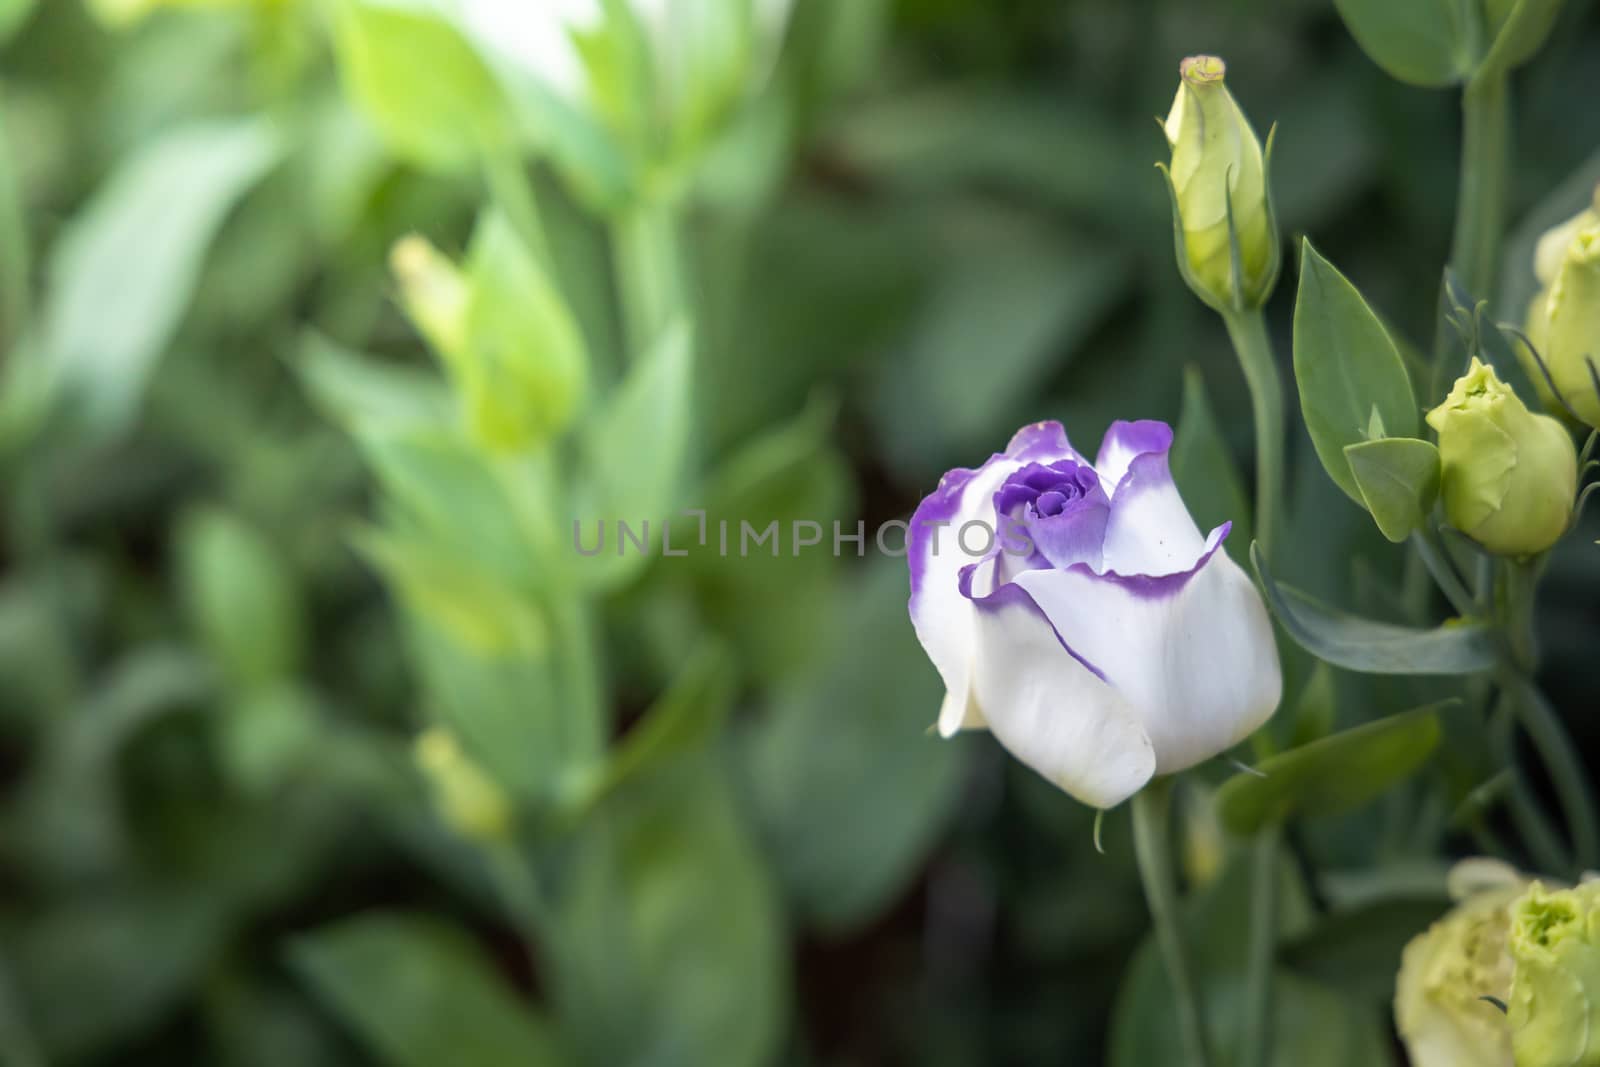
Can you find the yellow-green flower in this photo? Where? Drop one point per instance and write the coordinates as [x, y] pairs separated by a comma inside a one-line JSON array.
[[1564, 318], [1510, 476], [1554, 1008], [501, 327], [1217, 162], [1447, 970], [125, 12]]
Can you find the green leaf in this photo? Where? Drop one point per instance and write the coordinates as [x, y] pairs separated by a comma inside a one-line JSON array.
[[1204, 469], [1333, 775], [1399, 482], [1026, 300], [1373, 647], [671, 950], [418, 992], [366, 395], [850, 788], [241, 598], [421, 83], [13, 15], [1521, 35], [681, 721], [123, 272], [1419, 42], [1347, 369], [775, 609], [1317, 707], [134, 953], [637, 443]]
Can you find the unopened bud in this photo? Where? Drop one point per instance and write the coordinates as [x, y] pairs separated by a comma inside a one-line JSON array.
[[1218, 171], [1510, 476]]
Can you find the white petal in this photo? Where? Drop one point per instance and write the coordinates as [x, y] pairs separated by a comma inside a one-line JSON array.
[[1193, 654], [1150, 531], [1051, 712]]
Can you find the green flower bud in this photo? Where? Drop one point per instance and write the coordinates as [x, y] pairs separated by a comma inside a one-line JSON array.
[[471, 802], [1564, 319], [512, 348], [1217, 164], [1510, 476], [1446, 972], [1554, 1007]]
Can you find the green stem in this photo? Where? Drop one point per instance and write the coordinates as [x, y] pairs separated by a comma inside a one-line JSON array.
[[1437, 559], [649, 274], [512, 193], [1544, 727], [1543, 843], [1248, 331], [1560, 759], [1152, 846], [15, 256], [1480, 208], [1262, 948]]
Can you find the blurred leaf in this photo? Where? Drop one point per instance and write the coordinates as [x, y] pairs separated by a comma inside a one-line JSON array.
[[1359, 950], [1372, 647], [772, 602], [420, 82], [68, 820], [850, 787], [1312, 1025], [13, 14], [1347, 369], [258, 1024], [1329, 776], [106, 322], [1063, 150], [1521, 35], [1399, 481], [1024, 302], [670, 948], [1416, 41], [1317, 707], [1204, 469], [241, 598], [418, 993], [132, 954], [266, 736], [366, 395], [637, 443], [683, 720], [522, 365]]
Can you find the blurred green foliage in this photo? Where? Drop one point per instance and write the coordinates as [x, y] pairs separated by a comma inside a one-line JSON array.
[[249, 553]]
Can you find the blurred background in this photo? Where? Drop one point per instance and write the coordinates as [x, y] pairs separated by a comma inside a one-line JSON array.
[[320, 745]]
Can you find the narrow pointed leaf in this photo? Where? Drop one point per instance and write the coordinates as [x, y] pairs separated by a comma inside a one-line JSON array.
[[1329, 776], [1373, 647]]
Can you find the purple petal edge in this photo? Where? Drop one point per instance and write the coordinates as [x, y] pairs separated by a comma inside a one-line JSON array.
[[1032, 442], [1011, 593]]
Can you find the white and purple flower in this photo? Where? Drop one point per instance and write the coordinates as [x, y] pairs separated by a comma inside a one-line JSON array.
[[1097, 634]]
